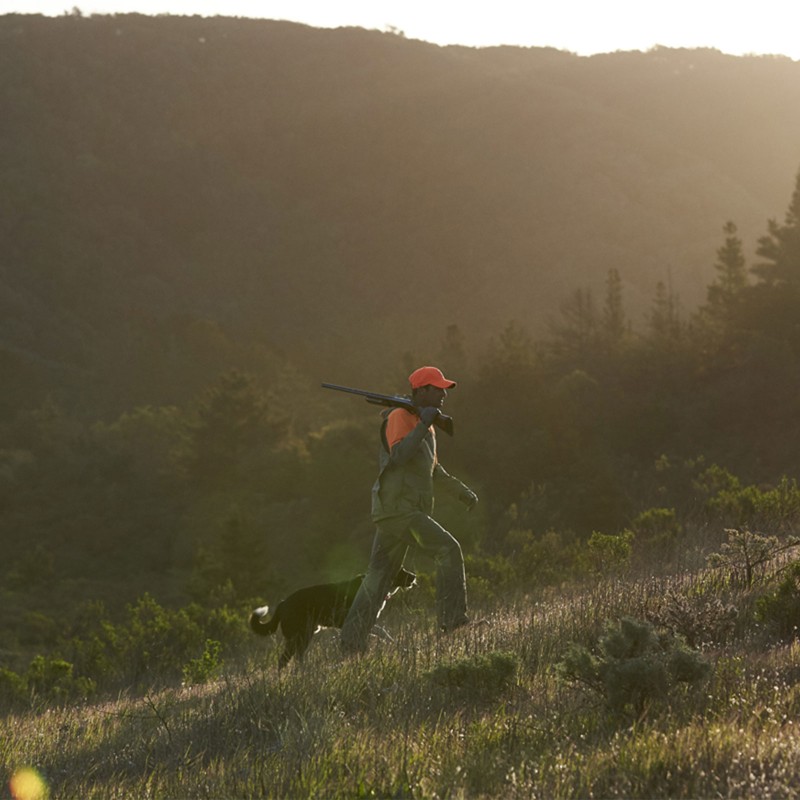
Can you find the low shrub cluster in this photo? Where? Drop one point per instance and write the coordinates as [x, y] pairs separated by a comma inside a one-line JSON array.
[[151, 645], [46, 680], [635, 666], [779, 610], [484, 674]]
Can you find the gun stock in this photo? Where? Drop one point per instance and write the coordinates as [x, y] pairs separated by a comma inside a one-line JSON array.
[[393, 401]]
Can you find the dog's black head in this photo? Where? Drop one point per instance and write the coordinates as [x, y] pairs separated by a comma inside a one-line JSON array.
[[404, 580]]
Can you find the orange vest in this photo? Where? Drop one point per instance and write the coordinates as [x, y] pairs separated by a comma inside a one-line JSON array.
[[399, 424]]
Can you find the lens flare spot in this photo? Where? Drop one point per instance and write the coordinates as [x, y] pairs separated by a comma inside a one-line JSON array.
[[28, 784]]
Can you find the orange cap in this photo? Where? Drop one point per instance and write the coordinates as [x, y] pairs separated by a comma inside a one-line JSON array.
[[429, 376]]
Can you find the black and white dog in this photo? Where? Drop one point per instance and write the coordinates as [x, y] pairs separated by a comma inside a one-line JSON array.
[[308, 610]]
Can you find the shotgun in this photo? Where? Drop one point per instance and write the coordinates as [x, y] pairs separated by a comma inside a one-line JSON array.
[[394, 401]]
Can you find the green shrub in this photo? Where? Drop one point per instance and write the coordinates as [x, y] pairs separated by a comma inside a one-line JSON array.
[[634, 666], [715, 480], [150, 645], [490, 577], [780, 610], [206, 667], [776, 508], [155, 643], [700, 618], [658, 533], [542, 560], [38, 629], [747, 556], [48, 679], [53, 679], [479, 675], [13, 689], [608, 554]]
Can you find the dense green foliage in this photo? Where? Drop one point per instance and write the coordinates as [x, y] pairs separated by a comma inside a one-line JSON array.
[[603, 449], [635, 666], [603, 457]]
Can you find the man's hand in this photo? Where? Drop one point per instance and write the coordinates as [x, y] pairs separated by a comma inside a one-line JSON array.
[[428, 415], [468, 498]]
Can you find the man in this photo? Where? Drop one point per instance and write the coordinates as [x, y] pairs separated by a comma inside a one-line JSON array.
[[402, 503]]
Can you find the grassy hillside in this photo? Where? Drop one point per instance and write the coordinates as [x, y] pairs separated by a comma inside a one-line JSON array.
[[493, 712], [343, 196]]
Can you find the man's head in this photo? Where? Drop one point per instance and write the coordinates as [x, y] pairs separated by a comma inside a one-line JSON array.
[[429, 387]]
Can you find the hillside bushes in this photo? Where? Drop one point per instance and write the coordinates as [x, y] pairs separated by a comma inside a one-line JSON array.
[[634, 666], [150, 646]]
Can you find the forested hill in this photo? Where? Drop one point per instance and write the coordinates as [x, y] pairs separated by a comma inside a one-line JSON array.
[[172, 188]]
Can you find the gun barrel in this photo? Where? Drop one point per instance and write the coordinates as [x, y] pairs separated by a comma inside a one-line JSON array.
[[361, 392], [442, 421]]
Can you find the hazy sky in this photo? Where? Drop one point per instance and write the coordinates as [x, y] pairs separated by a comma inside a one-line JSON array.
[[581, 26]]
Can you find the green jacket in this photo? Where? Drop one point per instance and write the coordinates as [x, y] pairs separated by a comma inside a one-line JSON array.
[[406, 476]]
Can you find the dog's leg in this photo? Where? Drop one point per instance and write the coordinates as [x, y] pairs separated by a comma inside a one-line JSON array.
[[302, 643], [296, 647], [290, 648]]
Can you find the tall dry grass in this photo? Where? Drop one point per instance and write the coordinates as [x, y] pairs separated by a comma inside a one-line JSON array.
[[390, 725]]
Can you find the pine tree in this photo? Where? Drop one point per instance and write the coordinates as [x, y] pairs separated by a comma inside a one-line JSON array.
[[781, 246], [452, 353], [231, 421], [614, 325], [772, 305], [664, 318], [574, 334], [731, 272]]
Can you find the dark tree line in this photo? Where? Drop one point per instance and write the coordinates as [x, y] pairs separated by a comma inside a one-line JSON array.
[[259, 483]]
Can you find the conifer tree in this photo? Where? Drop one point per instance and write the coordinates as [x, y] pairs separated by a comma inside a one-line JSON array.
[[453, 353], [781, 246], [231, 420], [664, 318], [577, 328], [614, 324], [773, 305], [731, 272]]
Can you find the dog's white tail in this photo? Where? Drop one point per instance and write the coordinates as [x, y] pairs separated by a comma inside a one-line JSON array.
[[259, 624]]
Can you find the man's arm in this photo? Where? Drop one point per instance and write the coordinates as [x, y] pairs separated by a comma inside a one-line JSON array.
[[405, 434], [454, 486]]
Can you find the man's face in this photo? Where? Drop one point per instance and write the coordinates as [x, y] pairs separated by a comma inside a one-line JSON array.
[[430, 396]]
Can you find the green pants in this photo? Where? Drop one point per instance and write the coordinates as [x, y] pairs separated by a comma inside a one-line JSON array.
[[392, 539]]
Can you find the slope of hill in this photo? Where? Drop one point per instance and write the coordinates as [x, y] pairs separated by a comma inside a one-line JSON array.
[[343, 196], [487, 713]]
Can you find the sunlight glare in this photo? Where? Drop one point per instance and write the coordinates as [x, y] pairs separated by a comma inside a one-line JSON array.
[[585, 27], [27, 784]]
